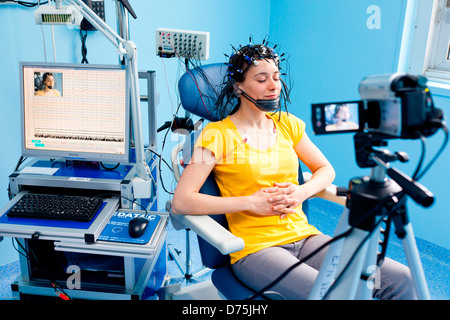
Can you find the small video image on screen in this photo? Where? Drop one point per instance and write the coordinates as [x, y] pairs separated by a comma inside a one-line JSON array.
[[342, 117], [48, 84]]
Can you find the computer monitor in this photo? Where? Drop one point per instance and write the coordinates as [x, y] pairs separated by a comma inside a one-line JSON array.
[[75, 111]]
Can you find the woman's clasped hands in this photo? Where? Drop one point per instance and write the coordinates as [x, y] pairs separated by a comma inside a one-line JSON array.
[[281, 199]]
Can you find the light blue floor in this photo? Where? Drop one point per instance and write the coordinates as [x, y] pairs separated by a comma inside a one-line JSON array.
[[435, 259]]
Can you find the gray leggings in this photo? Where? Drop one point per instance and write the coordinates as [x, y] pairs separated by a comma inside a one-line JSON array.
[[260, 268]]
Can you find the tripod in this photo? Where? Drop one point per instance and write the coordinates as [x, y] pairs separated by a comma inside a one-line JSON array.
[[350, 267]]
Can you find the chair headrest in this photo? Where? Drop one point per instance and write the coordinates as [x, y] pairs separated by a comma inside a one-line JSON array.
[[199, 89]]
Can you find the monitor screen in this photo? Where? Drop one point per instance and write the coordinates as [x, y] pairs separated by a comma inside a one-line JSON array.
[[75, 111]]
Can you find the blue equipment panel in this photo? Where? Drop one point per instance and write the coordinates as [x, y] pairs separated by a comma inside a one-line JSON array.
[[65, 170]]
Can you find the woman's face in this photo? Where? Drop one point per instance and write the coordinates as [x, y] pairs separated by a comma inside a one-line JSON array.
[[49, 82], [262, 81], [343, 113]]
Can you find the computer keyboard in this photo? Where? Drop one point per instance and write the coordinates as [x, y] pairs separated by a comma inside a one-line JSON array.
[[50, 206]]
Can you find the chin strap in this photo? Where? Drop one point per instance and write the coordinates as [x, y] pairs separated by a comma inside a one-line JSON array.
[[263, 104]]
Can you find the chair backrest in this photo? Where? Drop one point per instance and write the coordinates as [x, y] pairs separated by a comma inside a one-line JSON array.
[[199, 89]]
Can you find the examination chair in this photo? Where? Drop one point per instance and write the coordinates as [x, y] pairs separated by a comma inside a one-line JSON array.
[[214, 239]]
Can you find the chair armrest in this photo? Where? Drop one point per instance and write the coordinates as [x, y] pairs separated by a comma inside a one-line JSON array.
[[329, 193], [210, 230], [173, 157]]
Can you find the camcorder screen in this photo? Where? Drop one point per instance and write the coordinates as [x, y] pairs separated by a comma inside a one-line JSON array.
[[337, 117]]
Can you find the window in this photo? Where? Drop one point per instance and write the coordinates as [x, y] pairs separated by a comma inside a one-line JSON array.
[[438, 64], [430, 46]]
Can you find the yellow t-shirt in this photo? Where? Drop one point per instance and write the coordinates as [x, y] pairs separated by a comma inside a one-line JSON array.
[[51, 93], [242, 169]]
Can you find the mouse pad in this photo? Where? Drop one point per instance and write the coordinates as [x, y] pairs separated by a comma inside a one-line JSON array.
[[117, 228]]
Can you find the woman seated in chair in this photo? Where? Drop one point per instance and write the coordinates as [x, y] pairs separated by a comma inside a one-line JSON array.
[[253, 152]]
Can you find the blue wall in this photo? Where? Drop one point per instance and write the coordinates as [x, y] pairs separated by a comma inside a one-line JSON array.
[[331, 50]]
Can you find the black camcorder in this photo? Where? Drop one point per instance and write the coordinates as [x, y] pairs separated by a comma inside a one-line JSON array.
[[392, 106]]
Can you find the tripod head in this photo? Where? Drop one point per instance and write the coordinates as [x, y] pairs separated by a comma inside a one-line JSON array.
[[364, 143], [379, 160]]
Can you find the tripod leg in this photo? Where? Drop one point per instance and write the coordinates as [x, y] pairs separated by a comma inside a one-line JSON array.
[[328, 268], [370, 272], [350, 280], [415, 264], [338, 255]]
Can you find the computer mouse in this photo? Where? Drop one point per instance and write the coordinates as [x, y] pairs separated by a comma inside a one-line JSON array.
[[137, 226]]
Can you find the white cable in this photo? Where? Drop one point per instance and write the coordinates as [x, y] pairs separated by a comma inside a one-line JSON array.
[[53, 40], [43, 40], [43, 35], [53, 37]]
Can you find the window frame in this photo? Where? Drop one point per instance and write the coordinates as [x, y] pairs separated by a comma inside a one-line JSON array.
[[429, 54], [438, 62]]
